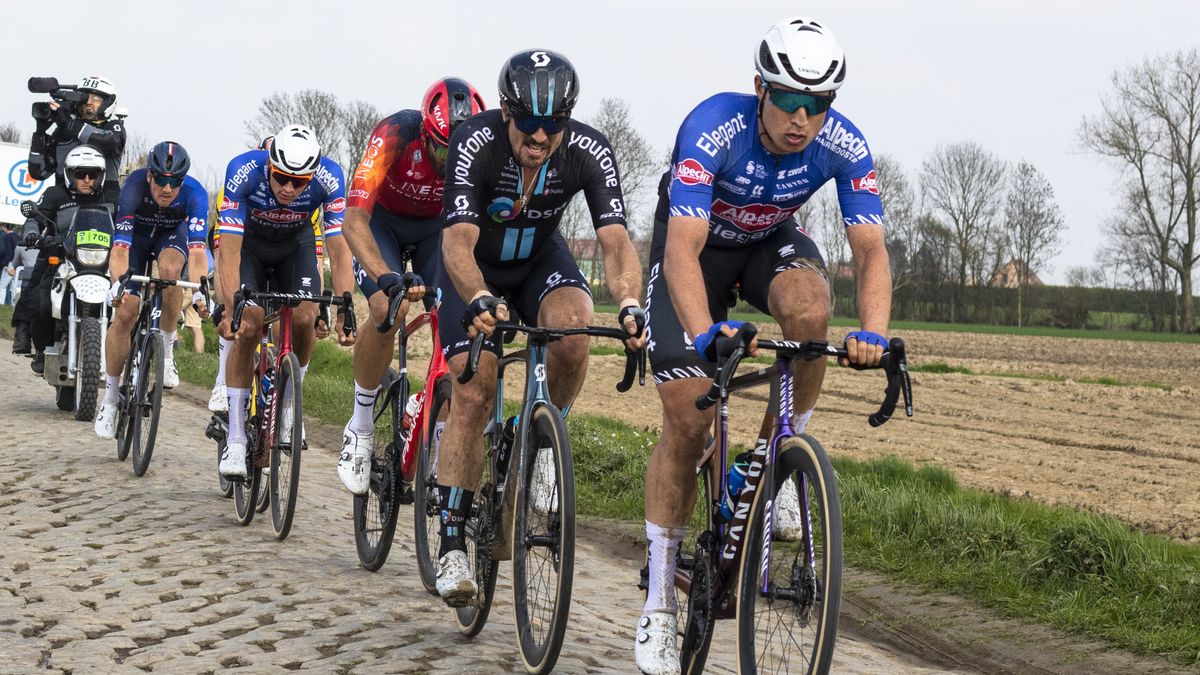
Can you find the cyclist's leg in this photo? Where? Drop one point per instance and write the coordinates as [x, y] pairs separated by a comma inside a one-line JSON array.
[[297, 272], [239, 369], [171, 252], [116, 344], [217, 400]]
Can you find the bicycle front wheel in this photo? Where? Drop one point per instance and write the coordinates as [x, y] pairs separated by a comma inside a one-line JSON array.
[[289, 442], [787, 605], [245, 491], [426, 510], [124, 411], [544, 540], [147, 401], [375, 512], [480, 533], [695, 580]]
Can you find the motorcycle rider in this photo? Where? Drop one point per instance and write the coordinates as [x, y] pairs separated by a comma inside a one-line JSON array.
[[163, 214], [84, 169], [92, 123]]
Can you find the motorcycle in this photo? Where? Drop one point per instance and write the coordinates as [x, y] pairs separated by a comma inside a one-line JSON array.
[[77, 303]]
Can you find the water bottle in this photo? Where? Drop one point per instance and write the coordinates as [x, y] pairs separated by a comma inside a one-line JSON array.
[[507, 437], [410, 412], [734, 482], [264, 390]]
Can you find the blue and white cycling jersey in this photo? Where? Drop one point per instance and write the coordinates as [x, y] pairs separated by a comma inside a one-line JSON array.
[[720, 172], [249, 207], [137, 211]]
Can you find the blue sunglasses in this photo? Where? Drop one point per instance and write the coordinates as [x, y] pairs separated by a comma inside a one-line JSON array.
[[791, 101], [162, 180]]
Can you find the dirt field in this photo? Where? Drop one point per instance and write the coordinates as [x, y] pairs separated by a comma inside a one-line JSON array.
[[1130, 451]]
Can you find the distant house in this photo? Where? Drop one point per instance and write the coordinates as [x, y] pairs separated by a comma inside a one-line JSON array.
[[1006, 276], [590, 256]]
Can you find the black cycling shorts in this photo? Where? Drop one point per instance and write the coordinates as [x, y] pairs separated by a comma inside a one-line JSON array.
[[523, 286], [147, 247], [288, 266], [753, 267], [391, 232]]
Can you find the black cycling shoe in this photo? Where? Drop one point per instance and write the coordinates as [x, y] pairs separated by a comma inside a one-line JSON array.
[[21, 342], [38, 364]]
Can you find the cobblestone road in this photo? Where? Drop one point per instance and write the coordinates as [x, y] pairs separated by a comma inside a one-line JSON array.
[[101, 571]]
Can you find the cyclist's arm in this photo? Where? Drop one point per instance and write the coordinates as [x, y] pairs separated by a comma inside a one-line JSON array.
[[231, 225], [874, 276], [118, 262], [333, 210], [229, 265], [622, 269], [458, 252], [197, 230], [377, 159], [686, 236]]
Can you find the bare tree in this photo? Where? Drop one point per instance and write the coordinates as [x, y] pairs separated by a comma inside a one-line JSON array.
[[964, 185], [1034, 226], [10, 133], [900, 209], [1151, 126], [1137, 261], [137, 146], [341, 128]]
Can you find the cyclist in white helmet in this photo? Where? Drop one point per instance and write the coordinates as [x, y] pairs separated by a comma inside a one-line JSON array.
[[742, 166]]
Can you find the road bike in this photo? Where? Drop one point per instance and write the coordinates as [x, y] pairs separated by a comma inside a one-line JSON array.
[[274, 423], [139, 397], [540, 518], [784, 595]]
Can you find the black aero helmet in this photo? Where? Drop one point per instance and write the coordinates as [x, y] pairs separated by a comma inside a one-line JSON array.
[[168, 159], [538, 82]]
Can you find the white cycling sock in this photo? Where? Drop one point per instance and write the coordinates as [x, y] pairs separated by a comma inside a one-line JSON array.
[[303, 372], [238, 397], [660, 559], [363, 420], [222, 357], [168, 345], [111, 384], [800, 422]]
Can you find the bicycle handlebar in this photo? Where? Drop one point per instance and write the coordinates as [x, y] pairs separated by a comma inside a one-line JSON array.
[[635, 360], [894, 364], [245, 296], [396, 298]]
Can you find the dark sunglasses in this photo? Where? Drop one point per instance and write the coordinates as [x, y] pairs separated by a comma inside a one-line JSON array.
[[285, 180], [163, 180], [86, 174], [791, 101], [529, 124]]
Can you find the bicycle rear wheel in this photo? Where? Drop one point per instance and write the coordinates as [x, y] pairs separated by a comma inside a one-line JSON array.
[[426, 510], [146, 401], [787, 606], [544, 541], [480, 532], [285, 455], [375, 512]]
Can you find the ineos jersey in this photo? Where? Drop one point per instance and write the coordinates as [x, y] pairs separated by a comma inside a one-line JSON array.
[[721, 172], [249, 207], [484, 187], [137, 210], [396, 172]]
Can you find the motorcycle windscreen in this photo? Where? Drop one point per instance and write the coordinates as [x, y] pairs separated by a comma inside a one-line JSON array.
[[90, 226], [90, 288]]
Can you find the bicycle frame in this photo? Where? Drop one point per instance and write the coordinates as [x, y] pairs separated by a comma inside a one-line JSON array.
[[437, 368]]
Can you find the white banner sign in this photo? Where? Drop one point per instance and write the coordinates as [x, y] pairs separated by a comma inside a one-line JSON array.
[[16, 185]]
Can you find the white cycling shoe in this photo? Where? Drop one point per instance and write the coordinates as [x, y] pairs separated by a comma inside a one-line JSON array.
[[106, 420], [788, 521], [170, 374], [219, 401], [233, 460], [285, 427], [354, 464], [655, 649], [455, 583], [543, 482]]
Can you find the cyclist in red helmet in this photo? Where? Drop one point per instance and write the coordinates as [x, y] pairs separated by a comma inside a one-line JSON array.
[[395, 199]]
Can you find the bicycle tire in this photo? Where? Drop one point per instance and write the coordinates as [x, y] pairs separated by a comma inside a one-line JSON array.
[[223, 484], [147, 401], [245, 491], [285, 457], [87, 378], [695, 615], [801, 593], [124, 428], [542, 583], [479, 533], [426, 513], [376, 512], [264, 495]]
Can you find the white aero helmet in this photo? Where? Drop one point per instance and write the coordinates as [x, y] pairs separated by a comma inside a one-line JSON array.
[[103, 87], [81, 158], [801, 53], [295, 150]]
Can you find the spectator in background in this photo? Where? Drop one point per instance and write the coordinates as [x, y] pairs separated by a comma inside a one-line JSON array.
[[8, 250], [191, 318]]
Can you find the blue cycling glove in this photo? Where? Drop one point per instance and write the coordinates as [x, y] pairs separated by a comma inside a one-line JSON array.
[[706, 342], [868, 337]]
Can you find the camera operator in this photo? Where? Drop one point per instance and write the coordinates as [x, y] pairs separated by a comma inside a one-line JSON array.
[[84, 168], [81, 115]]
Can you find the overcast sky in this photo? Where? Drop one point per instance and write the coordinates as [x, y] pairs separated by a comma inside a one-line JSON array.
[[1016, 76]]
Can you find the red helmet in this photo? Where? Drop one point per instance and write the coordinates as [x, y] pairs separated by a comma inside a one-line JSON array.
[[448, 102]]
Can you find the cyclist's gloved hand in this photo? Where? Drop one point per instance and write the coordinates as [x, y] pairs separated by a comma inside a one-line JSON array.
[[867, 350], [112, 293], [706, 342], [479, 307], [389, 280]]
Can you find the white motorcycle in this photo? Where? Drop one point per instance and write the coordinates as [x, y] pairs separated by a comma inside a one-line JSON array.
[[77, 303]]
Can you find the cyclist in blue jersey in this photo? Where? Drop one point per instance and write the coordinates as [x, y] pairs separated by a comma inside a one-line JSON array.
[[267, 236], [162, 214], [742, 166]]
